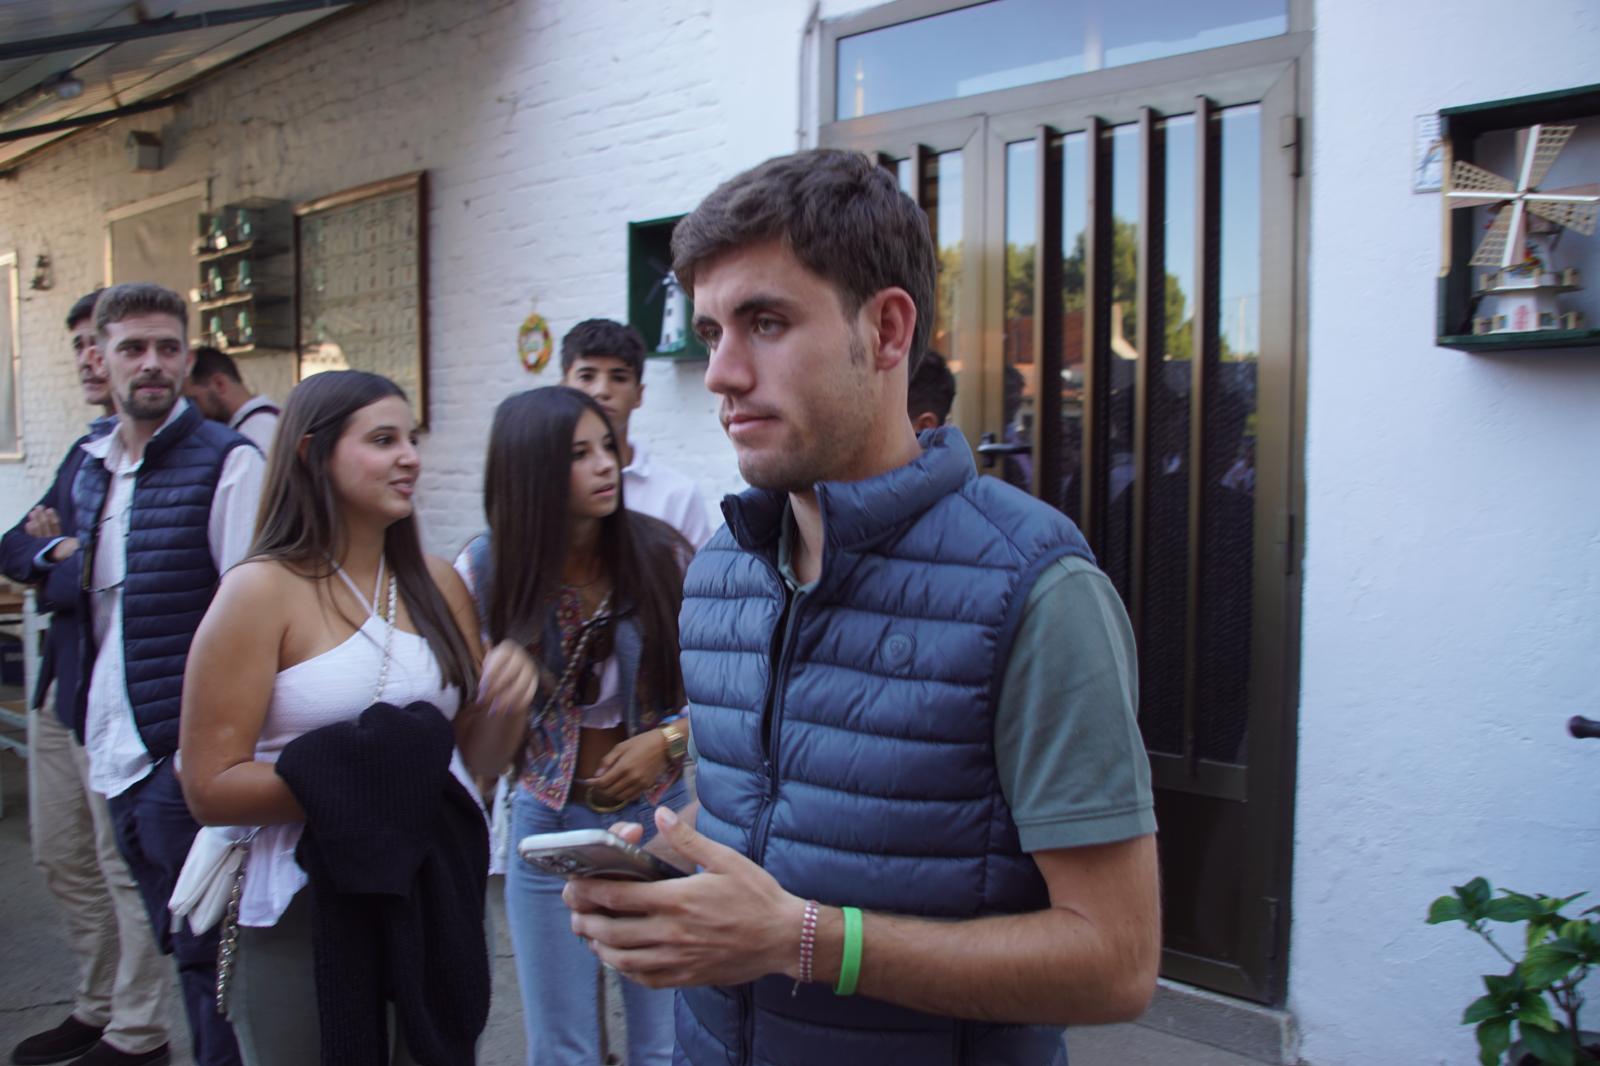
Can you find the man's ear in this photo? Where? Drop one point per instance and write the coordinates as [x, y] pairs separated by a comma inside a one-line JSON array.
[[926, 420], [892, 315]]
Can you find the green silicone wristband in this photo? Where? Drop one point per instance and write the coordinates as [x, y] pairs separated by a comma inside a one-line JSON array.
[[850, 963]]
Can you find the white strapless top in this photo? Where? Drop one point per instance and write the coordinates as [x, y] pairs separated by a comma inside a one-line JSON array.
[[335, 686]]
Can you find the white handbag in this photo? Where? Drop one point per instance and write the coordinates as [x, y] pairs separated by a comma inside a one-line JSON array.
[[215, 861]]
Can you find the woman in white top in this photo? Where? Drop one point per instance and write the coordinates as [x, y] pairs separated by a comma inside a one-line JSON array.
[[335, 609]]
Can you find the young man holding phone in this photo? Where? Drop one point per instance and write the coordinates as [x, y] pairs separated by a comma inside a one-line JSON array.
[[926, 822]]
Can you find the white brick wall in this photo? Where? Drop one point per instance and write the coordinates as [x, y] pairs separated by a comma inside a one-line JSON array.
[[545, 128]]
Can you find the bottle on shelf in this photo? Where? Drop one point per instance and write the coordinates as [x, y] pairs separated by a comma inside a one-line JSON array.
[[215, 336]]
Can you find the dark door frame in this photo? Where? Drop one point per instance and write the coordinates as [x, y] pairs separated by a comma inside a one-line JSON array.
[[1276, 74]]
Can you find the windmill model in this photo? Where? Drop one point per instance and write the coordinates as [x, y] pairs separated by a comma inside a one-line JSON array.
[[1527, 222]]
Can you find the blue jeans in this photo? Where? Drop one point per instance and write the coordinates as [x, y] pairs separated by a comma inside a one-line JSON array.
[[558, 974], [154, 830]]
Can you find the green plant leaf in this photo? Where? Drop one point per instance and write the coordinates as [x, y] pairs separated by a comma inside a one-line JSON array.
[[1445, 909], [1513, 907], [1504, 989], [1550, 1048], [1475, 896], [1494, 1036], [1535, 1011], [1482, 1009], [1545, 964]]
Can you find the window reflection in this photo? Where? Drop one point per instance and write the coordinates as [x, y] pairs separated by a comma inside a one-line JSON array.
[[1006, 43]]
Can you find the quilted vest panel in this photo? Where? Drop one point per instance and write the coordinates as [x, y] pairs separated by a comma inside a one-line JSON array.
[[874, 782], [170, 573]]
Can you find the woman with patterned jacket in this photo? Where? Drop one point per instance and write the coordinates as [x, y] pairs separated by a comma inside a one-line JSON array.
[[593, 591]]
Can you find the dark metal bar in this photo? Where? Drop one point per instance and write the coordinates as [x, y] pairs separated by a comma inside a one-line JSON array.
[[90, 120], [1207, 342], [66, 42], [1097, 328], [1048, 329], [1151, 302], [920, 179]]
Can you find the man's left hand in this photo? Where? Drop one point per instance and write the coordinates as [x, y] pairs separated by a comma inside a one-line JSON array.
[[728, 924]]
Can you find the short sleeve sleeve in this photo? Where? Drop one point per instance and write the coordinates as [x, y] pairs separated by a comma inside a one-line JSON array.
[[1068, 751]]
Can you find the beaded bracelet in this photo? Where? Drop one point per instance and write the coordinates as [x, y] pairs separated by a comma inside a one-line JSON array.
[[808, 943]]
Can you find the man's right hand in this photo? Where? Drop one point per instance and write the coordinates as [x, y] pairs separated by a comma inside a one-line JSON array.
[[42, 522]]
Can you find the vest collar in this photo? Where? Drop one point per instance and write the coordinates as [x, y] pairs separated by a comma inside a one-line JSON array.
[[181, 421], [859, 514]]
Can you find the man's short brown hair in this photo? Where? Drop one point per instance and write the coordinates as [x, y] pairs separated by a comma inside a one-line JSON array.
[[138, 298], [842, 216]]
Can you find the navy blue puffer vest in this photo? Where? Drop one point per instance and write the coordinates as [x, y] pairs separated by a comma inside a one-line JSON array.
[[846, 740], [170, 574]]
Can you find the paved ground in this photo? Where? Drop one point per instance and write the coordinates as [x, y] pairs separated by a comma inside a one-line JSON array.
[[36, 978]]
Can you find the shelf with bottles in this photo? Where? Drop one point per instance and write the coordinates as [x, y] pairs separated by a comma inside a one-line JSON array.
[[261, 280], [241, 328], [256, 226]]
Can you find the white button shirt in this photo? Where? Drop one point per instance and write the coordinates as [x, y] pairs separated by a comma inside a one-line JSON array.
[[661, 492], [260, 428], [118, 759]]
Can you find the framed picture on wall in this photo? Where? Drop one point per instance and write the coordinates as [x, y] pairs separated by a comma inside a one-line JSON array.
[[361, 279]]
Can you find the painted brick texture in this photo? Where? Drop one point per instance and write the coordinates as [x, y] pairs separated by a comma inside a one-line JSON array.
[[545, 128]]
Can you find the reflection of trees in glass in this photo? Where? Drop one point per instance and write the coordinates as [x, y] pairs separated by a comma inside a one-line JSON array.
[[949, 282], [1074, 290]]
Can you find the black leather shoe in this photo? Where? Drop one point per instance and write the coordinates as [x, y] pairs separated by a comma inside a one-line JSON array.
[[66, 1041], [103, 1054]]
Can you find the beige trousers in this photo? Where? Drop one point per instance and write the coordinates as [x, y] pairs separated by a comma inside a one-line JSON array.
[[122, 978]]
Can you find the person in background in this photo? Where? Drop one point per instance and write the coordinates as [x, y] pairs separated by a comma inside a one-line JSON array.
[[164, 505], [605, 360], [216, 388], [593, 590], [335, 609], [926, 830], [119, 1007], [931, 394]]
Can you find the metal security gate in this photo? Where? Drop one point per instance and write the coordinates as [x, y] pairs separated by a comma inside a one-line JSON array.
[[1118, 298]]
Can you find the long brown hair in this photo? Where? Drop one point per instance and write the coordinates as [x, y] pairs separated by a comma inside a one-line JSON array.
[[299, 521], [526, 484]]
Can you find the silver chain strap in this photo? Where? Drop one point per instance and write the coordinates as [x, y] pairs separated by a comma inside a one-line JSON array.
[[228, 943]]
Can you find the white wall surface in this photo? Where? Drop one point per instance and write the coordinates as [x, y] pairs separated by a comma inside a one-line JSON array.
[[545, 127], [1452, 591]]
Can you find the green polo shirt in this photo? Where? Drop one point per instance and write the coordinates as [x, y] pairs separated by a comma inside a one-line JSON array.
[[1067, 746]]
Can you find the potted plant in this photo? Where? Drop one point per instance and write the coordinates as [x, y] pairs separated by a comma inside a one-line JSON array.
[[1539, 1000]]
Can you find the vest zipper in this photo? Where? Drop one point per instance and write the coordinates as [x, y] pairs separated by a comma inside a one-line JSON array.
[[771, 719]]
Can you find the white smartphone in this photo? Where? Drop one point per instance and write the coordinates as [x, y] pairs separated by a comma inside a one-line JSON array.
[[594, 853]]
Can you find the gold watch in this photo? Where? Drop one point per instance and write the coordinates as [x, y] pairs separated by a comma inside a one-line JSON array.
[[677, 738]]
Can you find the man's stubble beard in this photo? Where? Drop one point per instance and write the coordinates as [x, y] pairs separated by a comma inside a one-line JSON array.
[[830, 450], [154, 411]]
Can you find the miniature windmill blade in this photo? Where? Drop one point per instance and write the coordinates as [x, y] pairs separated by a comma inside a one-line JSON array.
[[1576, 207], [1493, 246], [1547, 142], [1472, 186]]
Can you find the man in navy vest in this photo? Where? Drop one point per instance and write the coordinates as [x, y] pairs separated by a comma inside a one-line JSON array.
[[925, 830], [119, 1007], [165, 504]]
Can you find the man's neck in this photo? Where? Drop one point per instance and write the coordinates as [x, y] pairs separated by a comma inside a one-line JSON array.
[[236, 399], [135, 434], [624, 449], [806, 557]]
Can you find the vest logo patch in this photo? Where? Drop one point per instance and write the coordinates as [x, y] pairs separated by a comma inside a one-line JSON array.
[[896, 649]]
